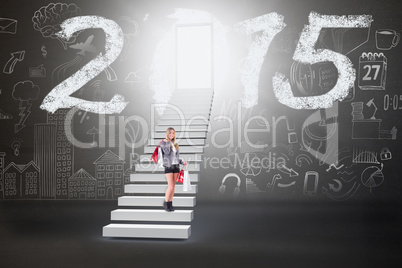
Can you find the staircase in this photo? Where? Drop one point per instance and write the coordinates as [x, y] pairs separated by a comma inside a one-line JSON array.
[[140, 213]]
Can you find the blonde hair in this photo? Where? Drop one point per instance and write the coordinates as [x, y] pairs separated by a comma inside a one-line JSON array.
[[174, 139]]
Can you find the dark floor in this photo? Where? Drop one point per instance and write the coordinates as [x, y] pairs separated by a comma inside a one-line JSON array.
[[277, 234]]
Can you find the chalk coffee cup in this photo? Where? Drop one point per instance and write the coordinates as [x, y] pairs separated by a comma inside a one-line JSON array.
[[386, 39]]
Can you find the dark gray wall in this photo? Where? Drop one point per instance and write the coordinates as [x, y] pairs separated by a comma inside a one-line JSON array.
[[362, 166]]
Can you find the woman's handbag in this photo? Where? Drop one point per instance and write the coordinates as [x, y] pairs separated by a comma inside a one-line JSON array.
[[181, 174], [154, 156], [184, 177], [157, 156], [186, 181]]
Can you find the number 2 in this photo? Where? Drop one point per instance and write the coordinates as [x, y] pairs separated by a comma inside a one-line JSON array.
[[60, 97]]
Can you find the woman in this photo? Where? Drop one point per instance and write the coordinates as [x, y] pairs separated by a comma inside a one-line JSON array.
[[171, 161]]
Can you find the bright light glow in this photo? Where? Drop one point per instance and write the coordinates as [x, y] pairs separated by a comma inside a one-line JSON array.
[[194, 56], [163, 77]]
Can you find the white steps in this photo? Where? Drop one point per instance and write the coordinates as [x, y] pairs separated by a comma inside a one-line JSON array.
[[187, 116], [189, 108], [156, 189], [202, 102], [191, 113], [184, 149], [191, 122], [182, 142], [140, 213], [152, 215], [186, 157], [155, 201], [190, 97], [154, 167], [156, 177], [181, 135], [182, 128], [147, 231]]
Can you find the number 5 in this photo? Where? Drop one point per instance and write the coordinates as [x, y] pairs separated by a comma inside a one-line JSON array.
[[305, 53], [60, 97]]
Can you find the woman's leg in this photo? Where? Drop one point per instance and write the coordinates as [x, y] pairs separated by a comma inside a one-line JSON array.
[[170, 189], [175, 177]]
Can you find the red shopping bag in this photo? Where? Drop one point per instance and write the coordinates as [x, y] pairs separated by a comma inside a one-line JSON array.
[[154, 156], [181, 175]]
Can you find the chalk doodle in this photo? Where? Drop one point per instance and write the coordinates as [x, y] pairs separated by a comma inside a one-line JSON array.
[[363, 128], [310, 183], [251, 187], [15, 57], [47, 21], [372, 71], [44, 51], [82, 186], [85, 47], [8, 26], [4, 115], [385, 154], [45, 157], [131, 29], [16, 145], [37, 72], [109, 174], [303, 158], [94, 131], [25, 92], [372, 177], [385, 39], [236, 191]]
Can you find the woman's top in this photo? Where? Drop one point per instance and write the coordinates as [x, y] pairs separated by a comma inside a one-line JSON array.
[[171, 156]]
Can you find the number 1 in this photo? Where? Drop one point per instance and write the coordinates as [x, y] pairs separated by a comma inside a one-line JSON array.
[[270, 25]]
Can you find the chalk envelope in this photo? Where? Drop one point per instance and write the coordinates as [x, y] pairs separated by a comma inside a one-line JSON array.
[[8, 26]]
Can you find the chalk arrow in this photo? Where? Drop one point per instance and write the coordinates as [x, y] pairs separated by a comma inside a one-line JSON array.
[[110, 74], [286, 170], [335, 189], [281, 185], [15, 57]]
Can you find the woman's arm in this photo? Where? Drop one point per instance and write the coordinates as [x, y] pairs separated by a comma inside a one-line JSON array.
[[181, 161]]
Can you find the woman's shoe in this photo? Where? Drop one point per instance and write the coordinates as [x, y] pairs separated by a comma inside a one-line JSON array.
[[165, 206], [170, 205]]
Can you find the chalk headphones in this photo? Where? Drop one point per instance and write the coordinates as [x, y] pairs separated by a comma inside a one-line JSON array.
[[236, 190]]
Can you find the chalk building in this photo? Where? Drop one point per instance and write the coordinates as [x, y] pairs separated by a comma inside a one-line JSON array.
[[64, 152], [45, 158], [21, 181], [2, 155], [81, 185], [109, 174]]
